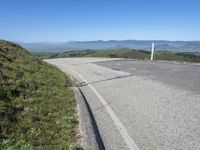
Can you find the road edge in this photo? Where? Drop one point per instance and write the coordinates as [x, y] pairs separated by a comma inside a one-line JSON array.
[[90, 136]]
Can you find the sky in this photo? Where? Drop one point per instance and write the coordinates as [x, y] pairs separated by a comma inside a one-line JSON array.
[[85, 20]]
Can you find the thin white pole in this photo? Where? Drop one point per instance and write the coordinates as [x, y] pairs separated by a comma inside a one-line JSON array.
[[152, 51]]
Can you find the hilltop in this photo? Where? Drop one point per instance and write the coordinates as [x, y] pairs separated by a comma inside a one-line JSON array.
[[189, 57], [37, 108]]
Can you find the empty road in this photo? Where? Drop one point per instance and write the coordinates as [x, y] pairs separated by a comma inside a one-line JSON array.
[[140, 105]]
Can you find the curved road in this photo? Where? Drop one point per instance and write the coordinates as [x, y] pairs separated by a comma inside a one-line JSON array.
[[140, 104]]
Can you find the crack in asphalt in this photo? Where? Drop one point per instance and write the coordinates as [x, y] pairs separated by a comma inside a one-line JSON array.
[[104, 80]]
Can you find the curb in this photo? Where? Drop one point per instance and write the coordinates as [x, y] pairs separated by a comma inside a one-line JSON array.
[[90, 136]]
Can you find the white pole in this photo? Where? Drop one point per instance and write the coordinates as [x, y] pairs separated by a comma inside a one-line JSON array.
[[152, 51]]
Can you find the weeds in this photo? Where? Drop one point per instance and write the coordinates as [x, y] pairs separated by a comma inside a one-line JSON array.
[[37, 108]]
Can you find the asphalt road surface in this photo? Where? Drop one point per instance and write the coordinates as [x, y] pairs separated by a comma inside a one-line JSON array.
[[140, 104]]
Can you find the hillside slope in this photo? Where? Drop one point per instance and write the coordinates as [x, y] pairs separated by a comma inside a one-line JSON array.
[[37, 108], [189, 57]]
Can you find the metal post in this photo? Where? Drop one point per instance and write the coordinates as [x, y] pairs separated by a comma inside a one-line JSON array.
[[152, 51]]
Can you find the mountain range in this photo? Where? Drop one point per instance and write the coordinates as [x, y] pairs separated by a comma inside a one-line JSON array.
[[180, 46]]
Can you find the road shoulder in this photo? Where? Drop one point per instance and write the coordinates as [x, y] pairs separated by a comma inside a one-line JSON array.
[[90, 137]]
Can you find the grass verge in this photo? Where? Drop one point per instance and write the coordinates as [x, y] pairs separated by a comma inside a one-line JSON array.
[[37, 107]]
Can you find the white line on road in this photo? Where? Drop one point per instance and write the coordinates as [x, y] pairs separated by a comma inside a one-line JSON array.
[[127, 138]]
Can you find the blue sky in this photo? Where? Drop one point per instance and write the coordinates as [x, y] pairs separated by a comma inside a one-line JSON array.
[[69, 20]]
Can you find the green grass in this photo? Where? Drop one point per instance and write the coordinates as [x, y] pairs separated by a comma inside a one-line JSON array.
[[125, 53], [192, 57], [45, 55], [37, 107]]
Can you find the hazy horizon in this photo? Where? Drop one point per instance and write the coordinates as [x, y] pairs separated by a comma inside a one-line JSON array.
[[103, 40]]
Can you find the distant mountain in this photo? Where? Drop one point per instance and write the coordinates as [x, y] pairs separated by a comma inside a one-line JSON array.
[[190, 46]]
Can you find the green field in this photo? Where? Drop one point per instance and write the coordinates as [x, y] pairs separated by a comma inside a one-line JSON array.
[[37, 107], [189, 57]]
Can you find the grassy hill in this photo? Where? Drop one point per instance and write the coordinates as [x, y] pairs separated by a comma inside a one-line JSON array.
[[37, 108], [192, 57]]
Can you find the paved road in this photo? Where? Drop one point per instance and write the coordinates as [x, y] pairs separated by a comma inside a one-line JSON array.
[[140, 105], [182, 76]]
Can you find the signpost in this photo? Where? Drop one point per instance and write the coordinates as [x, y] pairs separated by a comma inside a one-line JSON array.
[[152, 51]]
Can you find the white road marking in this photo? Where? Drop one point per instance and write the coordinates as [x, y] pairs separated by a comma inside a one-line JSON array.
[[127, 138]]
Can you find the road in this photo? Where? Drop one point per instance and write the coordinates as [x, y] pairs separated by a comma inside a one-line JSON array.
[[140, 104]]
